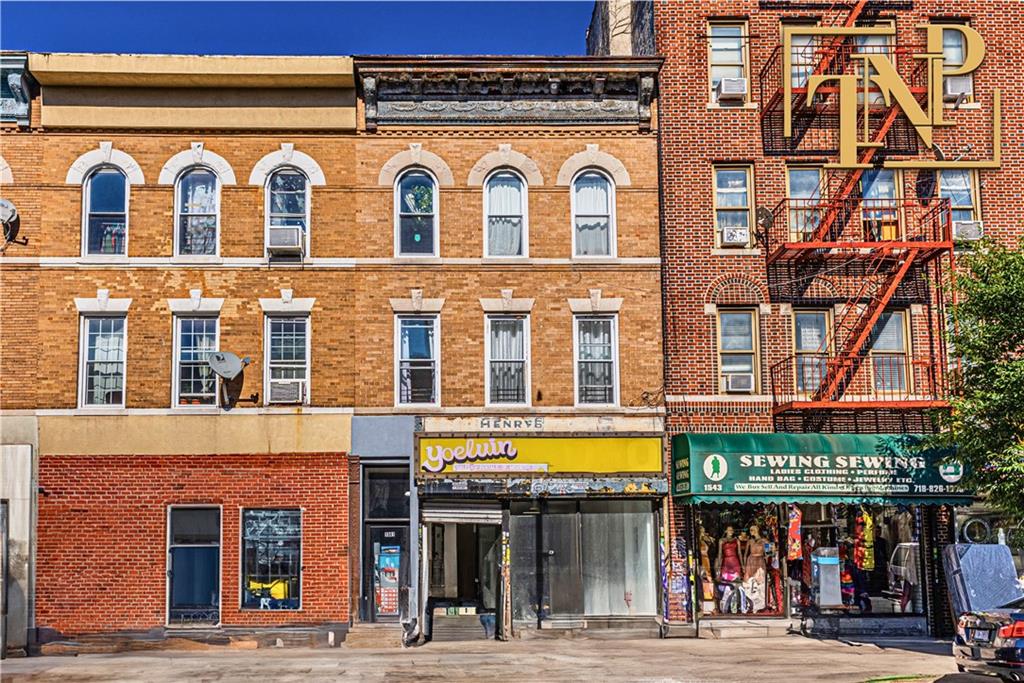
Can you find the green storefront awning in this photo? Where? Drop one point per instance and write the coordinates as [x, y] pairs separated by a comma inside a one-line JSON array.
[[813, 468]]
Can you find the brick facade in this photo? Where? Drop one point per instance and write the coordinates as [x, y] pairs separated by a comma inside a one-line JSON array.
[[102, 548], [695, 136]]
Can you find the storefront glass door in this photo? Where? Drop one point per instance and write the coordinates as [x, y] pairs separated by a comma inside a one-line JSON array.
[[563, 580], [387, 546]]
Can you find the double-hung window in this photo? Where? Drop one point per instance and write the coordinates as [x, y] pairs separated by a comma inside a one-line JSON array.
[[804, 201], [508, 359], [198, 213], [106, 211], [288, 211], [271, 559], [597, 360], [957, 185], [727, 55], [416, 214], [880, 44], [102, 368], [505, 198], [888, 350], [737, 351], [804, 58], [593, 204], [417, 375], [195, 341], [287, 356], [880, 204], [811, 344], [733, 205], [954, 52]]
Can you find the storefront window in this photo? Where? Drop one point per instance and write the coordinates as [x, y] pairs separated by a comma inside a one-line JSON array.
[[596, 558], [740, 560], [271, 557], [856, 559]]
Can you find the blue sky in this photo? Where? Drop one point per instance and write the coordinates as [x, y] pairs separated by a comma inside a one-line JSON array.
[[421, 27]]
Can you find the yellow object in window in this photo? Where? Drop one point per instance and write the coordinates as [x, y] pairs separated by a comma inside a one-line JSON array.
[[278, 589]]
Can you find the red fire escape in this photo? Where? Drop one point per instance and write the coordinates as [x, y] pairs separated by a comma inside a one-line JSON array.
[[876, 247]]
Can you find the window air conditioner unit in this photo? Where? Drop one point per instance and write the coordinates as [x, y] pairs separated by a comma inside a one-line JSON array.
[[739, 382], [731, 90], [285, 240], [955, 86], [287, 391], [968, 231], [735, 237]]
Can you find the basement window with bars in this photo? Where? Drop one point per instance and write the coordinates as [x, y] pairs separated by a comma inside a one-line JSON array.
[[271, 559], [288, 360]]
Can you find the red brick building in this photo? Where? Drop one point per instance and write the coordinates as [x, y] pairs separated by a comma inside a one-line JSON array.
[[801, 287]]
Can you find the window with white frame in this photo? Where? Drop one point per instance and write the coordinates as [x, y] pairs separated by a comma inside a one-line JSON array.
[[733, 205], [889, 353], [505, 212], [811, 346], [597, 359], [737, 351], [288, 210], [593, 204], [957, 185], [195, 341], [416, 214], [198, 212], [102, 369], [508, 359], [417, 376], [287, 359], [727, 54], [106, 212]]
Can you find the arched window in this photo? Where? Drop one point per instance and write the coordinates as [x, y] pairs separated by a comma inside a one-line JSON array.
[[106, 212], [505, 215], [288, 212], [198, 212], [416, 214], [593, 204]]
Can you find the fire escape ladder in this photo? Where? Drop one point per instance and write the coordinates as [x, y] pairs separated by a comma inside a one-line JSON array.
[[848, 357]]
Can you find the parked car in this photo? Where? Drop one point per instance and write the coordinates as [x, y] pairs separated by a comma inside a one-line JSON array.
[[992, 642]]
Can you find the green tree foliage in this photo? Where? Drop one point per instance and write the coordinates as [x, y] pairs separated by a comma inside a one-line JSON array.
[[986, 423]]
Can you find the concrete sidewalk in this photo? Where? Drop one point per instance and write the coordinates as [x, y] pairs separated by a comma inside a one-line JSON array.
[[788, 659]]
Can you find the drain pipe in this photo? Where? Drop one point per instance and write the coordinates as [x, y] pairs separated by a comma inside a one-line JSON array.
[[411, 626]]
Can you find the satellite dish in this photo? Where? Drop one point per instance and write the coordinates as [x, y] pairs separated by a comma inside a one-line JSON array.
[[765, 219], [227, 364], [8, 212]]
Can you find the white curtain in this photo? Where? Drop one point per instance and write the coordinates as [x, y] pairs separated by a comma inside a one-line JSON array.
[[505, 215], [508, 356], [592, 215], [618, 558]]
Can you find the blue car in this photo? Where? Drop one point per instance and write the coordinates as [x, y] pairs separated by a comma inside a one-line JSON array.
[[992, 642]]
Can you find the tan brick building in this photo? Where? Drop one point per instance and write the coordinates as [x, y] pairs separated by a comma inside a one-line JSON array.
[[802, 315], [403, 251]]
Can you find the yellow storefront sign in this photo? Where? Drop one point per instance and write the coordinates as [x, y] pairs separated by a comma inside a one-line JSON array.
[[540, 455]]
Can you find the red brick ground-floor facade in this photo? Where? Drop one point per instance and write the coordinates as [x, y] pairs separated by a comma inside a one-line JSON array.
[[103, 557]]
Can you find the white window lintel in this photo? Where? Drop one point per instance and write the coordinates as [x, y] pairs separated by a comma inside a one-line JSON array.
[[102, 303], [596, 303], [287, 304], [196, 303], [506, 304], [416, 303]]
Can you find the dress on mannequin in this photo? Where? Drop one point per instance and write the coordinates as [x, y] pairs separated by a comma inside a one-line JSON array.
[[755, 572]]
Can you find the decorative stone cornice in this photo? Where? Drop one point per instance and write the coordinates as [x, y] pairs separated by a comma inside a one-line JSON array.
[[17, 105], [593, 157], [416, 156], [197, 155], [505, 157], [103, 304], [105, 155], [512, 91], [287, 156], [506, 304], [416, 303]]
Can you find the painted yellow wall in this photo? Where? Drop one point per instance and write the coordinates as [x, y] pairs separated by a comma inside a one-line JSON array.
[[195, 434]]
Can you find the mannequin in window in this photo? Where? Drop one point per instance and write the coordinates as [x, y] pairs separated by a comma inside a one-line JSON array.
[[754, 570], [728, 568], [706, 580]]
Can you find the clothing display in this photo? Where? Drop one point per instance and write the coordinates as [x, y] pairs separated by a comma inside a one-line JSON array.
[[793, 538], [730, 570]]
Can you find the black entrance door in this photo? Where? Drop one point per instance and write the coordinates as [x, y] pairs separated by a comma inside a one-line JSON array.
[[385, 571], [193, 573]]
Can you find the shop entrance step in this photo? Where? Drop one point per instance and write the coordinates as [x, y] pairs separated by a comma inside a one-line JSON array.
[[368, 636], [744, 628]]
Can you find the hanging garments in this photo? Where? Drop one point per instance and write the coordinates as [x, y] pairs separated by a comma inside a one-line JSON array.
[[869, 541], [795, 551]]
